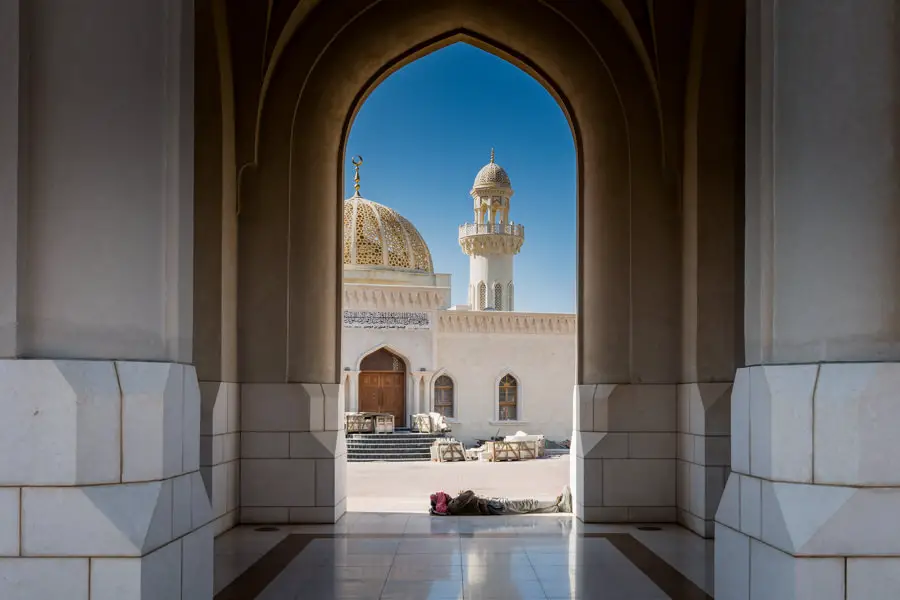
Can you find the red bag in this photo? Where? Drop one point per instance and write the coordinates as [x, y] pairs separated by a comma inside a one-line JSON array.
[[439, 502]]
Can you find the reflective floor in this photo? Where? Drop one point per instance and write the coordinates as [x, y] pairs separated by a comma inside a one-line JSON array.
[[418, 557]]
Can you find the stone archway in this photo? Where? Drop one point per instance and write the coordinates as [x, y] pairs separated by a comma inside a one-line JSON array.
[[98, 274], [628, 334]]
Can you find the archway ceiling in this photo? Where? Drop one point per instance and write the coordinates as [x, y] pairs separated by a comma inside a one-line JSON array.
[[283, 18]]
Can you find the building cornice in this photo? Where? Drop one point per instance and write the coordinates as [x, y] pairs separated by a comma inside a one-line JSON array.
[[394, 297], [502, 322]]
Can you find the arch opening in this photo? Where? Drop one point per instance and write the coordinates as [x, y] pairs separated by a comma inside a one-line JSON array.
[[627, 220], [482, 251]]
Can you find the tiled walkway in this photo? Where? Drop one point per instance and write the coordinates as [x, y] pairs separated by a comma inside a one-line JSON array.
[[418, 557]]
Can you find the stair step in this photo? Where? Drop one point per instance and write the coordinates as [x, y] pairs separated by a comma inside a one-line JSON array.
[[403, 459], [369, 452], [389, 441], [375, 454], [393, 436], [380, 443], [400, 446]]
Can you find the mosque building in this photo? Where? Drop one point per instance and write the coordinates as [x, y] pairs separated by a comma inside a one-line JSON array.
[[405, 350]]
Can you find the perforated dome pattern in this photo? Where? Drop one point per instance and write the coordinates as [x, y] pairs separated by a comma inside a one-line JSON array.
[[376, 235], [491, 175]]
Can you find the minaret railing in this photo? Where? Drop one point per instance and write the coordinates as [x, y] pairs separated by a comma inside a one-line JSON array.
[[513, 229]]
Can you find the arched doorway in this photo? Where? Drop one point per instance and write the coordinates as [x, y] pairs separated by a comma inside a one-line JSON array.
[[382, 385]]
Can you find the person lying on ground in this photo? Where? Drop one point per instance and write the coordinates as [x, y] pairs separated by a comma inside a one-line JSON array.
[[469, 503]]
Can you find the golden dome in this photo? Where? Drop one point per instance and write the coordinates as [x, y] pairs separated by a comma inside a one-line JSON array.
[[375, 235]]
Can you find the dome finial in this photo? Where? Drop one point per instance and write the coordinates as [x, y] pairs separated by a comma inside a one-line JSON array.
[[357, 162], [492, 155]]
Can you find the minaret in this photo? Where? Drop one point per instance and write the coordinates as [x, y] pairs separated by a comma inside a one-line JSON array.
[[491, 241]]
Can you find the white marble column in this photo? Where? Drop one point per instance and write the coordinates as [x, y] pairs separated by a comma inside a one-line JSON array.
[[423, 400], [101, 495], [810, 510], [428, 398], [417, 400], [354, 391]]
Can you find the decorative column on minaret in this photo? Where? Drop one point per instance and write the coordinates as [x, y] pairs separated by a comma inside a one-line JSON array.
[[491, 241]]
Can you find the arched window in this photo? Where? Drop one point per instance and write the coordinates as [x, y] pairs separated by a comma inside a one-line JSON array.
[[482, 295], [509, 296], [498, 296], [443, 396], [508, 404]]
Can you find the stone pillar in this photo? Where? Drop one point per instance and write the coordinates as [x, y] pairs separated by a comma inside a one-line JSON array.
[[417, 399], [712, 219], [215, 263], [428, 397], [624, 436], [354, 391], [293, 453], [623, 454], [220, 450], [810, 509], [100, 490], [423, 397]]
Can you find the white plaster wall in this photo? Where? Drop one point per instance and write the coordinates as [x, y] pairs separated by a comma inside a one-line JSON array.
[[415, 345], [543, 363], [492, 268]]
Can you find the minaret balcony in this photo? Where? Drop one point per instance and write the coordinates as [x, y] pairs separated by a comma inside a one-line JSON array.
[[491, 238]]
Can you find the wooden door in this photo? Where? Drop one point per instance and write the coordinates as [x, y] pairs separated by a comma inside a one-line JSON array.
[[383, 392], [393, 397], [370, 392]]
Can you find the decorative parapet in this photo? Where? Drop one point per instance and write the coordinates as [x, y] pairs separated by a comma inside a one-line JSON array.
[[505, 322], [394, 298], [491, 238], [492, 229]]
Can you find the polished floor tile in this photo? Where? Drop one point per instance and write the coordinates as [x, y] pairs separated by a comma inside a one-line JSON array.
[[417, 557]]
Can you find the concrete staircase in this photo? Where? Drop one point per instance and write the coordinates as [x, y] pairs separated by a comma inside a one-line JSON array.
[[400, 446]]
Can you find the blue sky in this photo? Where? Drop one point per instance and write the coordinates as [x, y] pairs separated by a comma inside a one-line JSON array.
[[426, 131]]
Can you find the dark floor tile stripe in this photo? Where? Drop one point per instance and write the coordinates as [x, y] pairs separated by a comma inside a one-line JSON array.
[[253, 581], [665, 576]]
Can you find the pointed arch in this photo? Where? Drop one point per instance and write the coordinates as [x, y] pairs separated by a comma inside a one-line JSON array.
[[444, 394], [508, 397], [509, 296], [482, 295], [498, 296], [406, 364]]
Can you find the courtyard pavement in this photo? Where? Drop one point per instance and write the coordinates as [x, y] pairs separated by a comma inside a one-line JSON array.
[[406, 487]]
